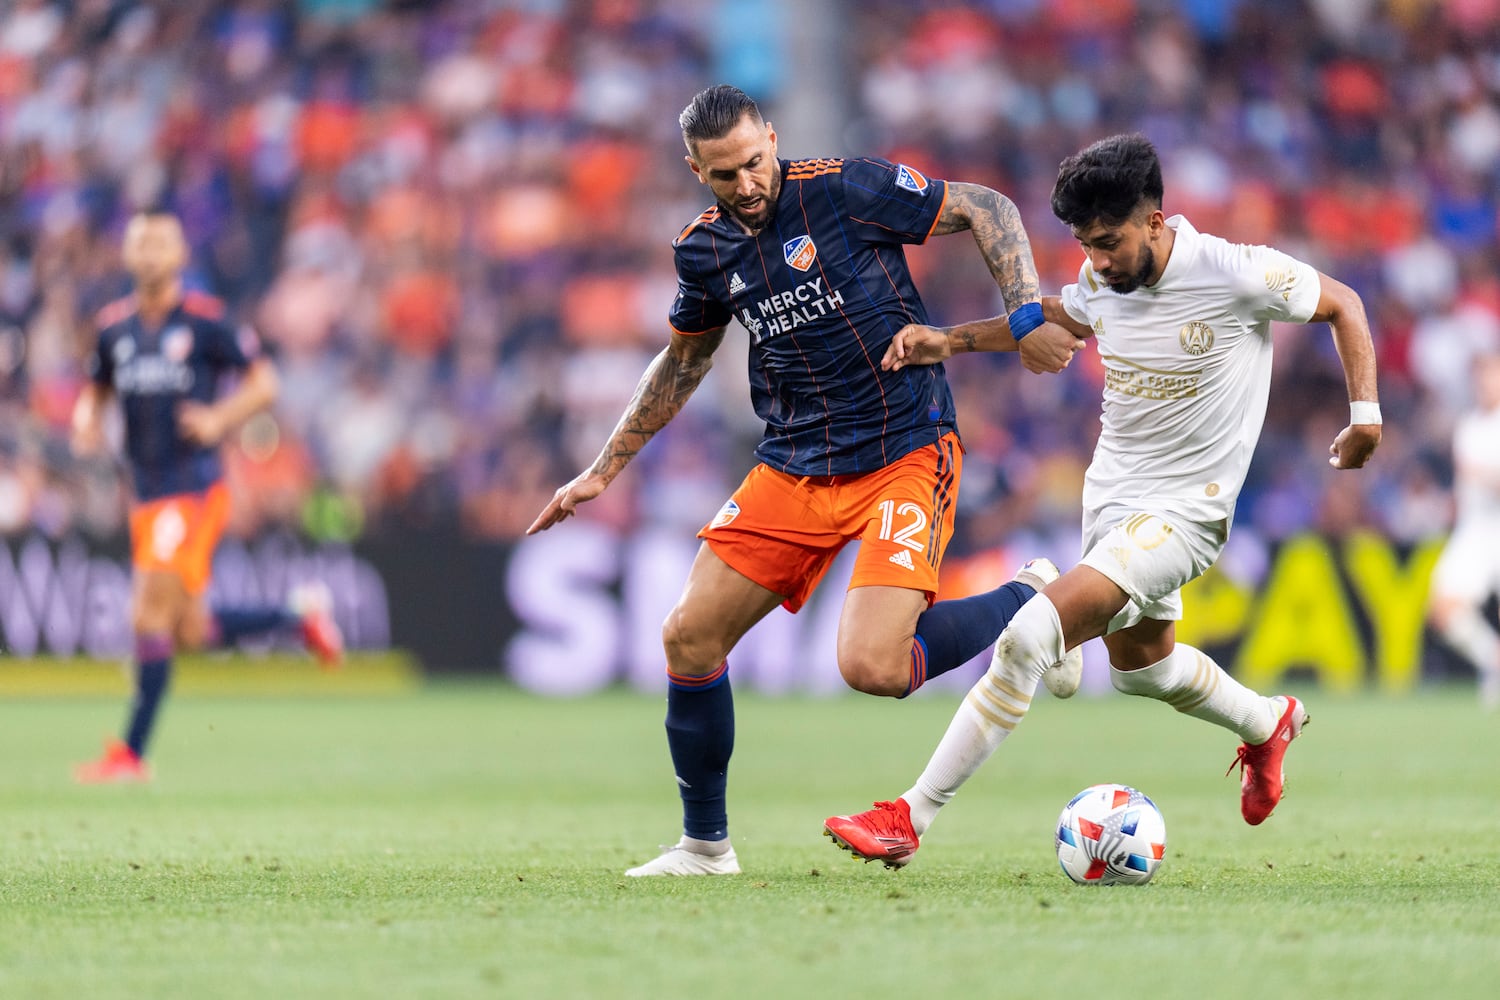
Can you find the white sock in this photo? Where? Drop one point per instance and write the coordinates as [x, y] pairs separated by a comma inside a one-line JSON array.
[[1472, 636], [993, 708], [1191, 682], [711, 848]]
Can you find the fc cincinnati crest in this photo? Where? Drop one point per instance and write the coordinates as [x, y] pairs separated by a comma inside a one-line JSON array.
[[910, 179], [1196, 337], [726, 514], [177, 343], [800, 253]]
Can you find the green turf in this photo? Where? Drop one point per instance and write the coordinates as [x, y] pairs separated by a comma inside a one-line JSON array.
[[468, 841]]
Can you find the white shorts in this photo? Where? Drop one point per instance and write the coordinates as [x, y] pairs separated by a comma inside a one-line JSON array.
[[1469, 568], [1150, 555]]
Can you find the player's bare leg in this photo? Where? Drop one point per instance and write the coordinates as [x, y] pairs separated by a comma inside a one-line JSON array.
[[876, 631], [892, 640], [717, 607]]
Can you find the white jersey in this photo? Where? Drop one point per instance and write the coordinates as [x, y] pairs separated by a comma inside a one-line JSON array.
[[1187, 366], [1477, 457]]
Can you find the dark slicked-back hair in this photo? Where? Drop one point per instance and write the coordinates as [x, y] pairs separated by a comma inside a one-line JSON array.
[[714, 113], [1108, 182]]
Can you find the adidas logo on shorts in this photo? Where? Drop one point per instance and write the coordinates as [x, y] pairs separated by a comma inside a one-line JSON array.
[[903, 558]]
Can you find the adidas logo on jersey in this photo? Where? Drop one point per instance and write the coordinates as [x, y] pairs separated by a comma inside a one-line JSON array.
[[903, 558], [736, 284]]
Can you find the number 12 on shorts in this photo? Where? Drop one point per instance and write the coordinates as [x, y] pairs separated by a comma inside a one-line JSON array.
[[914, 520]]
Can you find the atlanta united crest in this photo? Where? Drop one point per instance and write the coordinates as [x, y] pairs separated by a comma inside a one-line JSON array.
[[1196, 337], [800, 252]]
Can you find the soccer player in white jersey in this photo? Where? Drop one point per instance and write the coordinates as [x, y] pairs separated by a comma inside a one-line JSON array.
[[1468, 571], [1182, 323]]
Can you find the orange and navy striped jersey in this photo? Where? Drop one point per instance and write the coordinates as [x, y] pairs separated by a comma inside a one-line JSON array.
[[153, 370], [821, 290]]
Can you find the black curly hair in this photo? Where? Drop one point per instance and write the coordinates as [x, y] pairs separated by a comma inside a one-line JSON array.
[[1108, 182]]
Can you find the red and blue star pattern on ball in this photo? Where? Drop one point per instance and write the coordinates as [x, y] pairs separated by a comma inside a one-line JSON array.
[[1100, 840]]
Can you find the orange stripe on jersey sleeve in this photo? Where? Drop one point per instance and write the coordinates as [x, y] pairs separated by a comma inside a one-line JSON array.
[[801, 170], [938, 218], [203, 305], [117, 311], [708, 215], [695, 333]]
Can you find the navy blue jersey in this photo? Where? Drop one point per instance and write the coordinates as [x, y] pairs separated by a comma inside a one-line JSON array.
[[822, 290], [153, 372]]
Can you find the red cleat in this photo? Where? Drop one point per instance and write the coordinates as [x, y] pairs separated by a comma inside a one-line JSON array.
[[320, 632], [881, 834], [1261, 776], [119, 764]]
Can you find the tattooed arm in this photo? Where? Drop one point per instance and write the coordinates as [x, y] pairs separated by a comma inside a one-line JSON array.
[[1048, 348], [1002, 240], [669, 380]]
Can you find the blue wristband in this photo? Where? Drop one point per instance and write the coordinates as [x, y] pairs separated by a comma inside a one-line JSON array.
[[1026, 319]]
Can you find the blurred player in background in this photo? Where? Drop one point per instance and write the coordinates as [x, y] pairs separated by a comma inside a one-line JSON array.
[[1182, 321], [163, 352], [1467, 574], [808, 256]]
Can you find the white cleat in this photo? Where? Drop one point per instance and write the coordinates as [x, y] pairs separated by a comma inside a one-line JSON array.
[[1062, 679], [679, 860], [1036, 574]]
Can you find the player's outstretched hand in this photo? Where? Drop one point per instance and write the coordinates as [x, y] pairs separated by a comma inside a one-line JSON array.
[[1354, 446], [1048, 349], [566, 500], [915, 344]]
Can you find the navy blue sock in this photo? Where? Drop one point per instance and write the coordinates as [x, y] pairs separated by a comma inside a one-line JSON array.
[[700, 735], [230, 625], [153, 654], [951, 633]]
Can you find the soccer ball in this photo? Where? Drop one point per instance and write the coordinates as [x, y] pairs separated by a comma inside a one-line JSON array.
[[1110, 835]]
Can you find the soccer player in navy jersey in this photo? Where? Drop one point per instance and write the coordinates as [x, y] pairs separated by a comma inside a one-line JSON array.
[[163, 352], [808, 256]]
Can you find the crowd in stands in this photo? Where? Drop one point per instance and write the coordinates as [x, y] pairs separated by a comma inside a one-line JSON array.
[[452, 219]]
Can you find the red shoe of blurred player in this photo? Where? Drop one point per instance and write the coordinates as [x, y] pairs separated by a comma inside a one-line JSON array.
[[119, 764], [314, 605]]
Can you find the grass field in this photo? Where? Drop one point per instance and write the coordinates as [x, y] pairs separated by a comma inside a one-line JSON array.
[[468, 841]]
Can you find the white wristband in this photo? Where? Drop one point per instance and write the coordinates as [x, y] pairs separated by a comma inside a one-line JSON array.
[[1363, 411]]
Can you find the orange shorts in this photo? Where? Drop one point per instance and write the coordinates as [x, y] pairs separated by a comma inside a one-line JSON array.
[[783, 531], [178, 534]]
